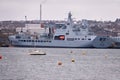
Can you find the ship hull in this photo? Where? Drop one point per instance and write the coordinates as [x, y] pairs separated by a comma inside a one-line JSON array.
[[53, 43]]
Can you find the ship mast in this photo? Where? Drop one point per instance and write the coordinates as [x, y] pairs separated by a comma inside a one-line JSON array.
[[70, 21], [26, 24]]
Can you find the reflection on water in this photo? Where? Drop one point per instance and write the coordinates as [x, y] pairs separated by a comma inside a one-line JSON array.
[[89, 64]]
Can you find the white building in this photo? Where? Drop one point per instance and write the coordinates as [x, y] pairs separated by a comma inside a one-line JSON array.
[[32, 28]]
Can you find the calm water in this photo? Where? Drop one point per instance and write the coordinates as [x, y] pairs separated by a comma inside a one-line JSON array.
[[90, 64]]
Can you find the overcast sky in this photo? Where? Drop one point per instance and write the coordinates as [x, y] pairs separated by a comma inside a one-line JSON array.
[[58, 9]]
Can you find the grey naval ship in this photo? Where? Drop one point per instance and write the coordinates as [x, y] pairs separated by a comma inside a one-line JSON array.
[[69, 35]]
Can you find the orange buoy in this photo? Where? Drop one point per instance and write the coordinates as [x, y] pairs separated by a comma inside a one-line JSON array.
[[0, 57], [83, 53], [59, 63]]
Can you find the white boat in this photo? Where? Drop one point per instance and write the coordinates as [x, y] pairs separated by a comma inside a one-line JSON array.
[[37, 52], [69, 35]]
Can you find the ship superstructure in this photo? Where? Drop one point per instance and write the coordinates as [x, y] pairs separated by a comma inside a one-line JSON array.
[[69, 35]]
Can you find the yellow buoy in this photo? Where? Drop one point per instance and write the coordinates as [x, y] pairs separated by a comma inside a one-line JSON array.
[[73, 60], [83, 53], [106, 56]]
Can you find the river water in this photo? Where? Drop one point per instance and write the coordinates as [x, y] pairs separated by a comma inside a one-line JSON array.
[[76, 64]]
